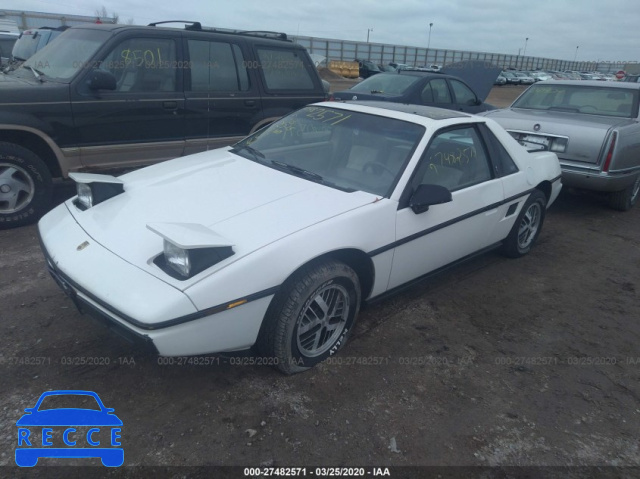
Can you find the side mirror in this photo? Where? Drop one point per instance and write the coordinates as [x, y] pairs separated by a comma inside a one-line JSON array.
[[427, 195], [101, 80]]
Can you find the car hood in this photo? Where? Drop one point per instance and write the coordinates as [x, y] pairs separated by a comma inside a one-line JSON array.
[[247, 203]]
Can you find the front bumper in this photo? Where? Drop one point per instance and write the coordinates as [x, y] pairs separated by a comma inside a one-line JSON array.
[[595, 180], [136, 305]]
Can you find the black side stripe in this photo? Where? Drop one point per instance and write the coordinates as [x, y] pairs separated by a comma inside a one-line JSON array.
[[453, 221]]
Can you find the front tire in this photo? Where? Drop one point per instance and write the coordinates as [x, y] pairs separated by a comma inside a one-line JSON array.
[[25, 186], [311, 317], [527, 227], [625, 199]]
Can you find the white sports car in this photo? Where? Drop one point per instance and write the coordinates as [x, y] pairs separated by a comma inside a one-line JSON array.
[[272, 244]]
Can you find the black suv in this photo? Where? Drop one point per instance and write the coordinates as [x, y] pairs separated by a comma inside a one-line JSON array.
[[117, 96]]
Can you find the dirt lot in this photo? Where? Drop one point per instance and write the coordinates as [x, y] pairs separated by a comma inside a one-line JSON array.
[[499, 362]]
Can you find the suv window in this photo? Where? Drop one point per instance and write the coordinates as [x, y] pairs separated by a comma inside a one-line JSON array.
[[143, 65], [284, 70], [217, 66]]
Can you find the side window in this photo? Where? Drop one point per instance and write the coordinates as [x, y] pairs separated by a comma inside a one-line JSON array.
[[143, 65], [426, 96], [455, 159], [440, 91], [217, 66], [502, 161], [284, 70], [463, 93]]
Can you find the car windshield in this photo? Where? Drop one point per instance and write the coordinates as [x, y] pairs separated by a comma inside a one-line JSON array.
[[616, 102], [69, 401], [71, 52], [393, 84], [342, 149]]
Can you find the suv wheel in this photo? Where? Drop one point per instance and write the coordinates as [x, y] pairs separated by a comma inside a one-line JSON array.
[[25, 186]]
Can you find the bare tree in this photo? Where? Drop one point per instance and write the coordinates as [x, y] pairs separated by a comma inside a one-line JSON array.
[[102, 13]]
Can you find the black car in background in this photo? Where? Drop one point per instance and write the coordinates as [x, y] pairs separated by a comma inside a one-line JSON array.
[[367, 68], [122, 96], [420, 88], [512, 78]]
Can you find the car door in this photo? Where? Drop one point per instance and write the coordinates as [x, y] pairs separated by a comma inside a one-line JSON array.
[[436, 93], [456, 158], [464, 97], [222, 97], [141, 121]]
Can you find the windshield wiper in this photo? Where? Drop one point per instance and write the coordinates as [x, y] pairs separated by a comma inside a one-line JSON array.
[[257, 155], [376, 91], [36, 73], [299, 171]]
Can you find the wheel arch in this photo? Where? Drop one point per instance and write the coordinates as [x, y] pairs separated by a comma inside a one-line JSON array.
[[545, 187], [38, 142]]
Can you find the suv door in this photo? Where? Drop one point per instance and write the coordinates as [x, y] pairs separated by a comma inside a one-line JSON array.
[[222, 98], [141, 121]]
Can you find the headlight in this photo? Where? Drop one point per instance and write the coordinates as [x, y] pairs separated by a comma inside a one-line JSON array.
[[189, 262], [177, 258], [189, 248], [85, 196], [94, 189]]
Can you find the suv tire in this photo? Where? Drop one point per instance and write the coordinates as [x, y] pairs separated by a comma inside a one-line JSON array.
[[25, 186]]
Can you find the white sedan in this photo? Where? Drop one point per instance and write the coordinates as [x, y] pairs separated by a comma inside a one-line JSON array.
[[273, 244]]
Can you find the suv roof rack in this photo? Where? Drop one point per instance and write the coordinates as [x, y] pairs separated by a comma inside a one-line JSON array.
[[197, 26]]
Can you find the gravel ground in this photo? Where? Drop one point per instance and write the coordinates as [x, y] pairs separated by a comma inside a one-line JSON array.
[[498, 362]]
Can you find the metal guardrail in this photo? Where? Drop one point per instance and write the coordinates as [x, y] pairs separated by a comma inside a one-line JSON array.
[[343, 50]]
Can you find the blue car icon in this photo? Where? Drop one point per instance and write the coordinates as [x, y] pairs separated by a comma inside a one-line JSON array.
[[29, 451]]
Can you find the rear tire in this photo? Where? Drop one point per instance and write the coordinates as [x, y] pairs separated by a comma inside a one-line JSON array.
[[311, 317], [625, 199], [527, 227], [25, 186]]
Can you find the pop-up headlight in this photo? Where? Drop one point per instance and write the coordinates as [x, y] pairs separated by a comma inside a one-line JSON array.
[[189, 248], [93, 189]]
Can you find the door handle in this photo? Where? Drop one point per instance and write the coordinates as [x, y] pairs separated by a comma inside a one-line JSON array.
[[250, 102], [170, 105]]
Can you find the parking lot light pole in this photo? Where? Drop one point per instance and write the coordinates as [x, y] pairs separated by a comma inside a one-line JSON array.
[[368, 30], [429, 41], [576, 55]]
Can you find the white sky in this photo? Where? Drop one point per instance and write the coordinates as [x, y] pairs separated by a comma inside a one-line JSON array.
[[603, 30]]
